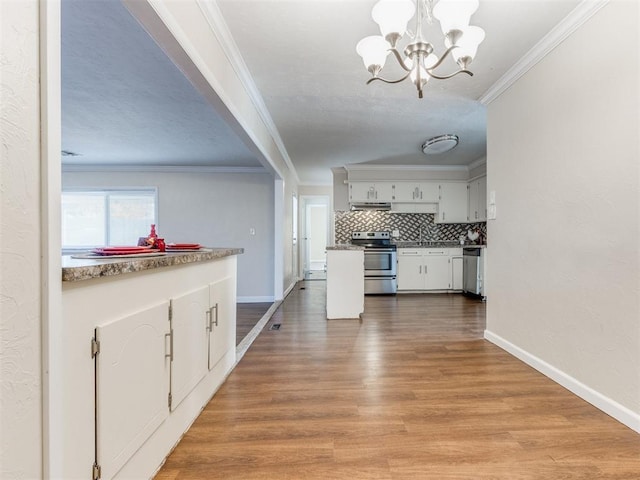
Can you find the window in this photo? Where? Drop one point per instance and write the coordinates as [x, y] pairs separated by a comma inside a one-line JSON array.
[[92, 218]]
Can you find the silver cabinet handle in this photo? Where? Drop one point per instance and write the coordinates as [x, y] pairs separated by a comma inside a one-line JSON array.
[[420, 269], [170, 354]]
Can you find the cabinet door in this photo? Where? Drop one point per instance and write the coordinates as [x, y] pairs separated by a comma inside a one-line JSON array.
[[429, 192], [406, 192], [222, 319], [189, 325], [362, 192], [383, 192], [132, 377], [473, 201], [456, 273], [453, 203], [371, 192], [438, 272], [478, 200], [410, 270], [482, 199]]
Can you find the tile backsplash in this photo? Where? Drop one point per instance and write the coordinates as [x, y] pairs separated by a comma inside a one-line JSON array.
[[408, 225]]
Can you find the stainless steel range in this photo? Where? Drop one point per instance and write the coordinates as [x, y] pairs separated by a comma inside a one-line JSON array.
[[380, 262]]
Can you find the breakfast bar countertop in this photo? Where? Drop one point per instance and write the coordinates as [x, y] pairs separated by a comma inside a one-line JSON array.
[[77, 269]]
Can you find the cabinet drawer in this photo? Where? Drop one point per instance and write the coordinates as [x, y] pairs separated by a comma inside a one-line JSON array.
[[409, 253]]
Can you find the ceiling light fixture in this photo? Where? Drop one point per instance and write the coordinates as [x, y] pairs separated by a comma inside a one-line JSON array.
[[419, 61], [440, 144]]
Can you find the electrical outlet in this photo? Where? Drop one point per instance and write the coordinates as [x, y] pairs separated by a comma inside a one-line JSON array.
[[395, 233]]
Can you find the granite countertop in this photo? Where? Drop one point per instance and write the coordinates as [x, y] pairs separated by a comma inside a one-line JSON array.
[[448, 244], [345, 246], [77, 269]]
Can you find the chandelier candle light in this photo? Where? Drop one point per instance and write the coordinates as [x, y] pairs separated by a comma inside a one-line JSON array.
[[419, 61]]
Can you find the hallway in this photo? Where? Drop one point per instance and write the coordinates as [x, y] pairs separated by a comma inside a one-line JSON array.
[[411, 391]]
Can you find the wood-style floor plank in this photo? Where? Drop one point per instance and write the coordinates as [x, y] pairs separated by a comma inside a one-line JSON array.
[[247, 315], [410, 391]]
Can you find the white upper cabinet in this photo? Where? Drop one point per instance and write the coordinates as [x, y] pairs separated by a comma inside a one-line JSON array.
[[453, 204], [478, 200], [418, 192], [372, 192]]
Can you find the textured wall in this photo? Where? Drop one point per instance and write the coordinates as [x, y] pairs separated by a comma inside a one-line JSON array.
[[20, 368], [408, 225], [564, 264]]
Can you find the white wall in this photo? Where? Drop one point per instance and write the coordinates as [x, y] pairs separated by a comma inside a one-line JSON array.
[[20, 271], [564, 260], [214, 209]]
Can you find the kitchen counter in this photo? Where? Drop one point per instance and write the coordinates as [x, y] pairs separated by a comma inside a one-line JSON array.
[[77, 269], [345, 281], [451, 244], [345, 246]]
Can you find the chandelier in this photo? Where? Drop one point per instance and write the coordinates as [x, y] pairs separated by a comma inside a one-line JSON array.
[[419, 60]]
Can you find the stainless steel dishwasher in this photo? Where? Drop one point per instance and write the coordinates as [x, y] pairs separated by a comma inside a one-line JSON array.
[[472, 270]]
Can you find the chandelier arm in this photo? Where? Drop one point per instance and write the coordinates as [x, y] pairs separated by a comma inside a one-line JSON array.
[[398, 56], [445, 77], [388, 81], [441, 59]]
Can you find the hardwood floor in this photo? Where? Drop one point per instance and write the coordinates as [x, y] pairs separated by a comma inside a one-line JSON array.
[[247, 315], [411, 391]]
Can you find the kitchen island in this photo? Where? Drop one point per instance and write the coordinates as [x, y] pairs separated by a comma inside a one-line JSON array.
[[345, 281], [147, 342]]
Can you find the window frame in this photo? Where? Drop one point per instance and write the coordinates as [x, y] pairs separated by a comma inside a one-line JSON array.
[[106, 192]]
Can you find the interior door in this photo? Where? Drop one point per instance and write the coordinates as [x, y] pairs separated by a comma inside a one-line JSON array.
[[189, 325], [132, 375], [222, 319]]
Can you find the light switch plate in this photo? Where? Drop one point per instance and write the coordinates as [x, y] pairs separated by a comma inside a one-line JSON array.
[[491, 214], [492, 197]]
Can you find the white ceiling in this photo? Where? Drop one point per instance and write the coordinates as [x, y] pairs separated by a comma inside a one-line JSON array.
[[124, 102]]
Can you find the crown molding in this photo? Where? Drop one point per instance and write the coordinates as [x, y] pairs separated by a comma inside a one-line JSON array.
[[72, 168], [477, 163], [219, 27], [407, 168], [578, 16]]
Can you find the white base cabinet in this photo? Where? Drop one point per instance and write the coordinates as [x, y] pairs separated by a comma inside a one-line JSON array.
[[152, 370], [428, 269], [220, 332], [132, 377], [188, 341]]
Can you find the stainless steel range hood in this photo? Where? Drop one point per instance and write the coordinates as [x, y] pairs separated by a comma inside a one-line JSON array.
[[370, 206]]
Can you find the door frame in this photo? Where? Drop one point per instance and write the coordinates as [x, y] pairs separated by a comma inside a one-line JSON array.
[[305, 202]]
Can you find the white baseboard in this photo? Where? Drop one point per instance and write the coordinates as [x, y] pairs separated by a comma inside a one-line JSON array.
[[289, 288], [265, 299], [607, 405]]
